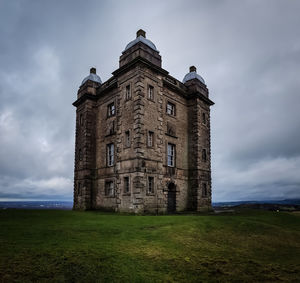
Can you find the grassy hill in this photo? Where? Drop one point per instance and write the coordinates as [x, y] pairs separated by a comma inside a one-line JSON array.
[[68, 246]]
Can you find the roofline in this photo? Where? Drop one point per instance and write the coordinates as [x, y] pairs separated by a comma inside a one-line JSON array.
[[178, 86], [136, 60]]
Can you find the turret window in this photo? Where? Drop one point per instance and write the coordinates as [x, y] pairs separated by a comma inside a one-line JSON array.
[[204, 118], [128, 92], [204, 155], [204, 190]]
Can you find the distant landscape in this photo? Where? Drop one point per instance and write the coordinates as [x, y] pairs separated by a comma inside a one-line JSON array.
[[61, 205], [67, 205]]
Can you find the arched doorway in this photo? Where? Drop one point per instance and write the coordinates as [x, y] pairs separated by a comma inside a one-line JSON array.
[[171, 198]]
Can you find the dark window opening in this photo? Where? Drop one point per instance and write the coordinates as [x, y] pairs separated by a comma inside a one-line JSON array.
[[171, 129], [128, 92], [126, 185], [127, 138], [204, 118], [112, 128], [150, 185], [204, 155], [81, 120], [204, 190]]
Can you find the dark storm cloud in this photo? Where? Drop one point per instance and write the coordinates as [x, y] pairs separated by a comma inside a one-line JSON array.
[[247, 51]]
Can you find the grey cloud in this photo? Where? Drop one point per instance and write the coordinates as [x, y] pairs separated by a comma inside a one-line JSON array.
[[248, 53]]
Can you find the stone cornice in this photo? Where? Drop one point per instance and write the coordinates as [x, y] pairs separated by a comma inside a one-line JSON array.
[[83, 98], [202, 97], [137, 60]]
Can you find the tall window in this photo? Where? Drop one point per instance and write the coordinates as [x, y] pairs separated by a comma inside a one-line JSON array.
[[150, 185], [204, 190], [150, 139], [204, 156], [81, 120], [204, 118], [170, 109], [111, 110], [80, 154], [126, 185], [109, 189], [110, 154], [112, 128], [171, 155], [127, 138], [150, 92], [128, 92]]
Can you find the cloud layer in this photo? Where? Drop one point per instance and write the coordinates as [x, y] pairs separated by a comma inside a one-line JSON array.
[[247, 51]]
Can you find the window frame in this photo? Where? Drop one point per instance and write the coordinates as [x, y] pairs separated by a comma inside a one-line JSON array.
[[127, 139], [204, 154], [111, 109], [204, 118], [172, 109], [150, 180], [150, 92], [172, 155], [150, 134], [110, 154], [127, 93], [126, 184], [109, 189]]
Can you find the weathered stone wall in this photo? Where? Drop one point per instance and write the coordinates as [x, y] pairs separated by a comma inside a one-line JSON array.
[[136, 115], [199, 133], [84, 155]]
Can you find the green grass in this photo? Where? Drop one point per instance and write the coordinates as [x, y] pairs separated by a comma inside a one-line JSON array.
[[69, 246]]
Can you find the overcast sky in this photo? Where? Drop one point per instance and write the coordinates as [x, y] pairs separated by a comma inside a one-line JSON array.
[[248, 52]]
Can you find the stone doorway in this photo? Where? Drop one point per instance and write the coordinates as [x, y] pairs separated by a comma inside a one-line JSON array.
[[171, 198]]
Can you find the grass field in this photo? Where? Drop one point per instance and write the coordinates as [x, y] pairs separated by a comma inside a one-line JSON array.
[[68, 246]]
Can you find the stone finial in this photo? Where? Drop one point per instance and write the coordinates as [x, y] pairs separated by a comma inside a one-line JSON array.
[[193, 69], [93, 70], [141, 32]]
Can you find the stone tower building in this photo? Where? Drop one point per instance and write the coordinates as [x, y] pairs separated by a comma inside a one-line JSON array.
[[142, 137]]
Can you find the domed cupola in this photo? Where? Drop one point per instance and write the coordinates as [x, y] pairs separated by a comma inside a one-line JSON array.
[[141, 37], [140, 49], [92, 77], [193, 75]]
